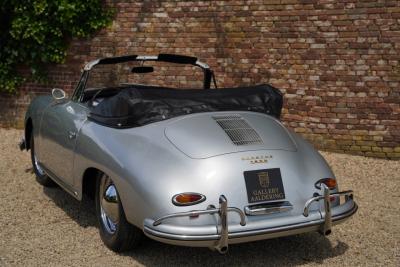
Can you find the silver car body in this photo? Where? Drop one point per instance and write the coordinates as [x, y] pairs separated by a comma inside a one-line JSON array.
[[190, 153]]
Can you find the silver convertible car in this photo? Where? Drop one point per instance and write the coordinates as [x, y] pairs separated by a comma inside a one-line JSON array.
[[202, 168]]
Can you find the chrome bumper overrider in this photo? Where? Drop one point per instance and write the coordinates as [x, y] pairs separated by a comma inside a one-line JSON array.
[[222, 244], [326, 227], [219, 241]]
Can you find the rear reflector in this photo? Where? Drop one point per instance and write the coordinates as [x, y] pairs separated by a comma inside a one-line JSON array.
[[187, 199]]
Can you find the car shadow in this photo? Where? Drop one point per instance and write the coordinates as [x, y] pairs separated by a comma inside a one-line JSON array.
[[82, 212], [293, 250], [285, 251]]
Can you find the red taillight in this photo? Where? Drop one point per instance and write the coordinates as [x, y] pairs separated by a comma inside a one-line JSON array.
[[187, 199], [329, 182]]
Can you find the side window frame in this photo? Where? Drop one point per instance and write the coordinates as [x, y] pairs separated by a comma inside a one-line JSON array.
[[77, 96]]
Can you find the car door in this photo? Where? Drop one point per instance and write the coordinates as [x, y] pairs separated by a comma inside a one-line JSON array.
[[59, 130]]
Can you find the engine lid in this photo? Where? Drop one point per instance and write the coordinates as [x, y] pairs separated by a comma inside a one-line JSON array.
[[206, 135]]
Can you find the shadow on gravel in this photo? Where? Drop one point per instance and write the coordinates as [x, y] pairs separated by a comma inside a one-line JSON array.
[[293, 250], [81, 212]]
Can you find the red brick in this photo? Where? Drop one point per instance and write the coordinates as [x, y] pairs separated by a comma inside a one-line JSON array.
[[336, 62]]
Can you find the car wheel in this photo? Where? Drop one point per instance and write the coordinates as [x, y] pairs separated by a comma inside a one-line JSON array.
[[115, 231], [41, 176]]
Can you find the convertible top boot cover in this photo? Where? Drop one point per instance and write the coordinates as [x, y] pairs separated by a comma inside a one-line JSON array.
[[133, 107]]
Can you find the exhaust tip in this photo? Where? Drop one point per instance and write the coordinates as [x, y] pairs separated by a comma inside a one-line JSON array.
[[222, 250], [328, 232]]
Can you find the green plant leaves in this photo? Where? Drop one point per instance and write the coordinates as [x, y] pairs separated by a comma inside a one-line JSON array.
[[34, 33]]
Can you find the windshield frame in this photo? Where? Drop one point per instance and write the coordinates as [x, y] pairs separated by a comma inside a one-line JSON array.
[[171, 58]]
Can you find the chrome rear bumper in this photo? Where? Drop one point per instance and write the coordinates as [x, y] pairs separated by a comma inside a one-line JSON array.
[[220, 240]]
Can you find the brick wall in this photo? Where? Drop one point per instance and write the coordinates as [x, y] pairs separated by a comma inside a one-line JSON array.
[[337, 62]]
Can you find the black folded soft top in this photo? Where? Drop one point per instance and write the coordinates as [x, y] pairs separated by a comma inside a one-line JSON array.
[[134, 106]]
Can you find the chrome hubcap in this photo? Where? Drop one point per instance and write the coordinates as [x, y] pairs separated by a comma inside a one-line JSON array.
[[109, 204], [37, 165]]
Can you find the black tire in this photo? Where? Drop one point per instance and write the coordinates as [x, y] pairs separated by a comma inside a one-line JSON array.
[[41, 176], [126, 236]]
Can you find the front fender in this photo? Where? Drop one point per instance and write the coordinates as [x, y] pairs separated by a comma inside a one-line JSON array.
[[34, 115]]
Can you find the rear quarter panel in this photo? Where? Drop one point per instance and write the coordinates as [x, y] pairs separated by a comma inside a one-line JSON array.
[[136, 159]]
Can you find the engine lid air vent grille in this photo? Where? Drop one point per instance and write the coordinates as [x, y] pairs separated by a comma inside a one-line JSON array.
[[238, 130]]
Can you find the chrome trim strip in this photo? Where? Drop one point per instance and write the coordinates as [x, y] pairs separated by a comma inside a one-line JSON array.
[[152, 232], [144, 58], [185, 214], [202, 64], [336, 219], [201, 212], [241, 214], [260, 210], [348, 193], [91, 64], [68, 188]]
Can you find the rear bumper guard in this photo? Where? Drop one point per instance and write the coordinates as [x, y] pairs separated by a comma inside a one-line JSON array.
[[327, 214], [220, 240], [222, 244]]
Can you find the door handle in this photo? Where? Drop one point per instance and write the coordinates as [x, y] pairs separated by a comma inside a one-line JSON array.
[[71, 135]]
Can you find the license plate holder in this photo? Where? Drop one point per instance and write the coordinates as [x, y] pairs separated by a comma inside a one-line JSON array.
[[264, 185]]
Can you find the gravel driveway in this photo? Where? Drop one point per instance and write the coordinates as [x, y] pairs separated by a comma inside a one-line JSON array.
[[47, 227]]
